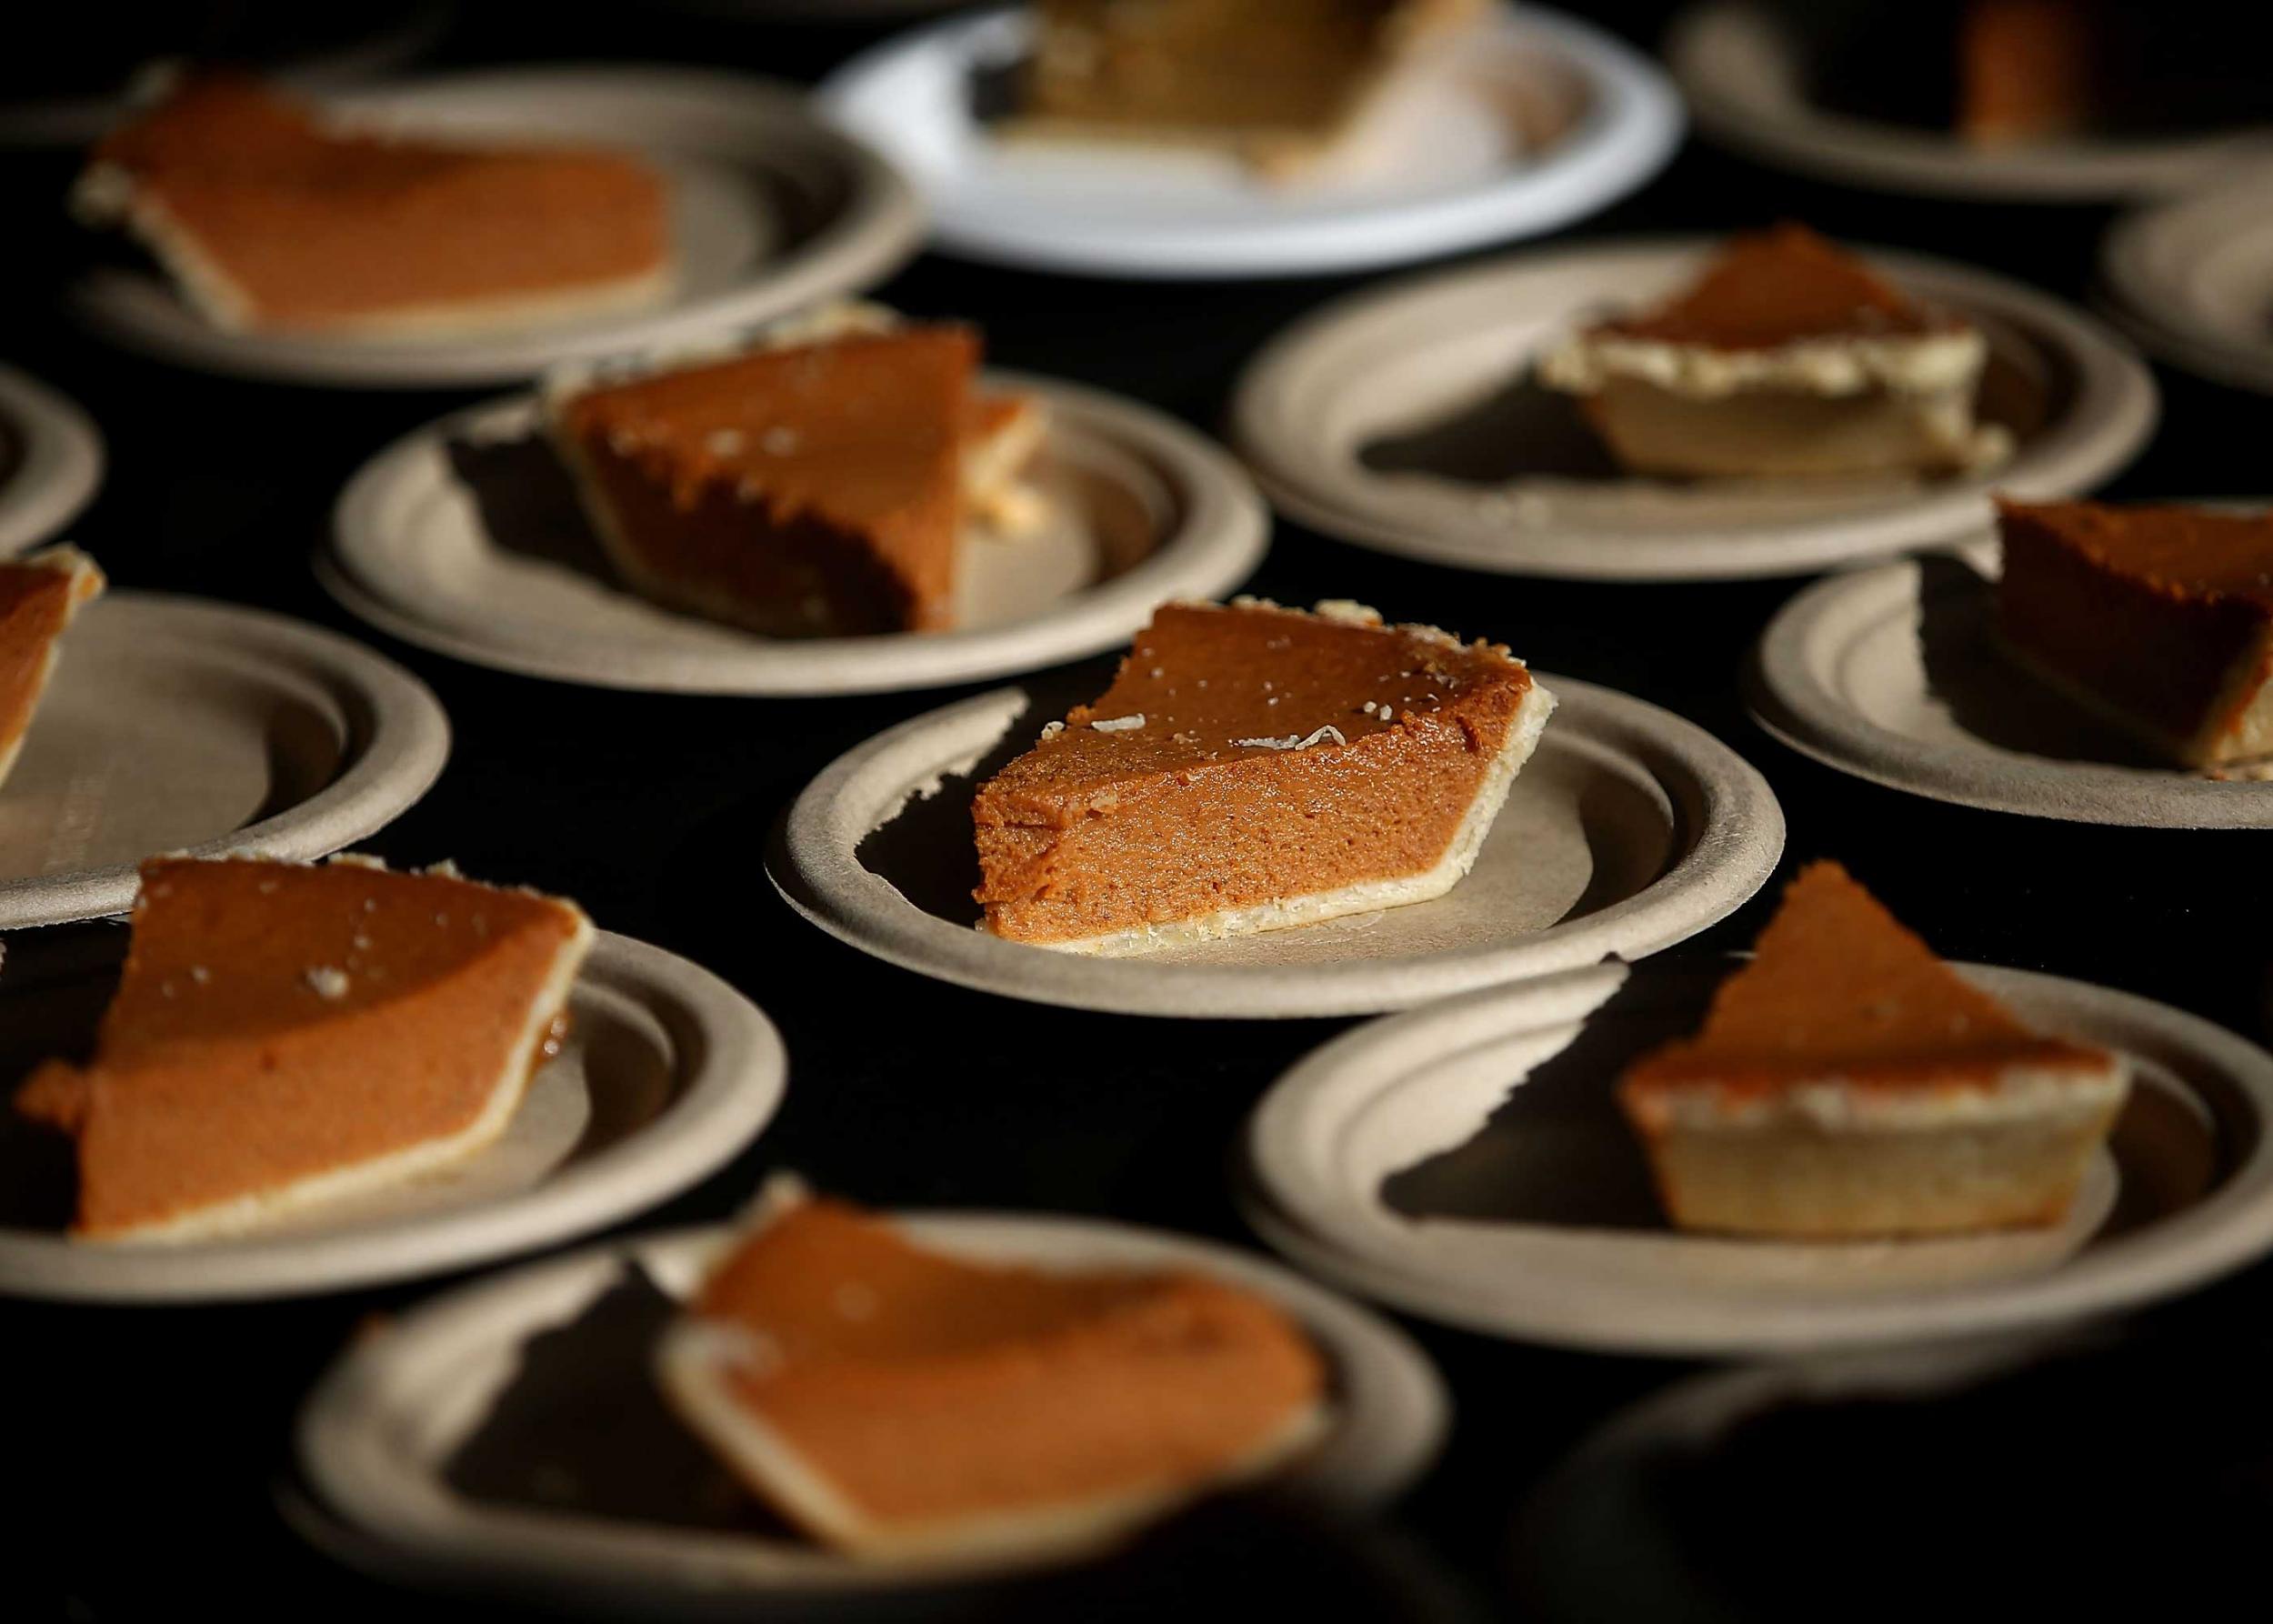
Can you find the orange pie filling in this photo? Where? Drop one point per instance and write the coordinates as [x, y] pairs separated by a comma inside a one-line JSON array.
[[2159, 618], [38, 598], [1277, 84], [270, 220]]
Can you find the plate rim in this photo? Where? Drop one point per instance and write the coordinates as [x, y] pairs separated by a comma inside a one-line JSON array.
[[2223, 1231], [1611, 154], [879, 228], [1405, 1395], [1221, 535], [1734, 824], [738, 1079], [2112, 418], [398, 745], [2144, 300], [1788, 701], [1890, 158], [61, 465]]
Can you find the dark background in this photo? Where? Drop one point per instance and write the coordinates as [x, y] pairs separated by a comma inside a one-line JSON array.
[[146, 1442]]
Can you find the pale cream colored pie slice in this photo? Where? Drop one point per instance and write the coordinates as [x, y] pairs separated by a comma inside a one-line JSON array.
[[1787, 358]]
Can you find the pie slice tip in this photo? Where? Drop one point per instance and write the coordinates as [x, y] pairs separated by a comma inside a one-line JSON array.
[[1847, 1084]]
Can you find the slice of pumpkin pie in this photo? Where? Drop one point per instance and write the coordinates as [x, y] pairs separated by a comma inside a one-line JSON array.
[[816, 481], [284, 1034], [1254, 767], [2159, 618], [272, 218], [897, 1400], [38, 598], [1847, 1083]]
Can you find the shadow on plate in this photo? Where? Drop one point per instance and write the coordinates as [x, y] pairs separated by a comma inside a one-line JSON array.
[[1557, 1152], [927, 851], [54, 988], [581, 1430], [529, 504]]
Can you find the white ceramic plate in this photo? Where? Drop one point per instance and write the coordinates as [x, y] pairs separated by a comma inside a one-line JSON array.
[[1628, 831], [173, 725], [1540, 122], [1893, 674], [772, 210], [465, 538], [666, 1074], [51, 460], [1403, 418], [381, 1435], [1467, 1162], [2193, 278], [1746, 82]]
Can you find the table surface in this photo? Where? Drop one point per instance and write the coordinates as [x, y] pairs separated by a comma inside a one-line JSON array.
[[159, 1435]]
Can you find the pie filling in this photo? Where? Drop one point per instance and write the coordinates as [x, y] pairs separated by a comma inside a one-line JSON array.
[[2159, 618], [38, 598], [1281, 88], [269, 219], [817, 482], [1254, 767], [897, 1400]]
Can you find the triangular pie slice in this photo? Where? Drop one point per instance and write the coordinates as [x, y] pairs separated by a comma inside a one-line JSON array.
[[285, 1033], [38, 598], [1280, 86], [812, 484], [2159, 619], [1785, 356], [1254, 767], [271, 219], [894, 1400], [1848, 1083]]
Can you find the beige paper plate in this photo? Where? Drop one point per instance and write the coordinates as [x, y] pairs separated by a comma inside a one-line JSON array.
[[51, 460], [1628, 831], [173, 726], [384, 1439], [1893, 675], [1402, 418], [1742, 73], [1467, 1162], [666, 1074], [464, 538], [772, 211], [2193, 278]]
